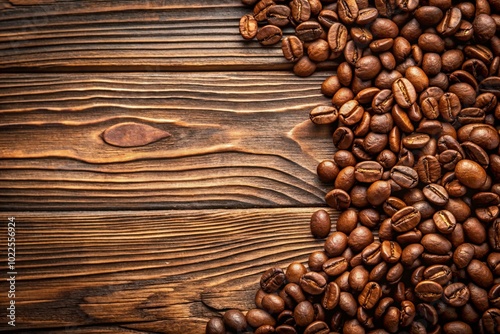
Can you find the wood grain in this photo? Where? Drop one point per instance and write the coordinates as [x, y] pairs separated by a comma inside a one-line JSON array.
[[122, 35], [238, 139], [148, 271]]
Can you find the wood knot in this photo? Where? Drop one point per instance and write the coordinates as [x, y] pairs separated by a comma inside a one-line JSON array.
[[132, 134]]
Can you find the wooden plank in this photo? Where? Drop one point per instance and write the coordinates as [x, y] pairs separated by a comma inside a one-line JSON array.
[[237, 139], [125, 35], [150, 271]]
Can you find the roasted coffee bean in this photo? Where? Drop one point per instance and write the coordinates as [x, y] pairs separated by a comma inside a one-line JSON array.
[[272, 279], [351, 113], [456, 327], [338, 199], [436, 244], [369, 297], [470, 173], [304, 67], [337, 37], [440, 274], [428, 291], [436, 194], [368, 171], [404, 92], [390, 251], [215, 326], [456, 294], [331, 297], [428, 169], [234, 320], [490, 85], [269, 35], [359, 238], [378, 192], [308, 31], [248, 26], [301, 10], [348, 303], [335, 244], [367, 67], [404, 176], [278, 15], [261, 8], [335, 266], [405, 219], [320, 224], [313, 283], [480, 274], [348, 11], [445, 221], [292, 48]]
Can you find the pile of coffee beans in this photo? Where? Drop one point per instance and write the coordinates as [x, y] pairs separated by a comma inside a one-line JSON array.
[[416, 173]]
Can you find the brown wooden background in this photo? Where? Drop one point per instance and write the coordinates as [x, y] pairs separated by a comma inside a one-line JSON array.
[[159, 237]]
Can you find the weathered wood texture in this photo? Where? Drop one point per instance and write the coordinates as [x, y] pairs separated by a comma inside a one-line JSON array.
[[235, 140], [149, 271], [112, 35]]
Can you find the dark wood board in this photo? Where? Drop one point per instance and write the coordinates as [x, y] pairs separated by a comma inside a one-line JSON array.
[[148, 271]]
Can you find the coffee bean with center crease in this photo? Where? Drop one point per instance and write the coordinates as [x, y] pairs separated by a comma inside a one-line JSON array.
[[337, 37], [324, 114], [335, 266], [404, 176], [368, 171], [261, 8], [301, 10], [348, 11], [404, 92], [445, 221], [370, 295], [428, 291], [456, 294], [331, 297], [436, 194], [338, 199], [269, 35], [292, 48], [308, 31], [248, 26], [491, 321], [278, 15], [351, 113], [313, 283], [272, 279], [405, 219], [317, 327]]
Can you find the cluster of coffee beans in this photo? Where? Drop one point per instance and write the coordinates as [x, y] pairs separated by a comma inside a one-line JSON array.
[[416, 174]]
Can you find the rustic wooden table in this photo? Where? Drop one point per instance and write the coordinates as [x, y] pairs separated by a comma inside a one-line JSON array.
[[155, 163]]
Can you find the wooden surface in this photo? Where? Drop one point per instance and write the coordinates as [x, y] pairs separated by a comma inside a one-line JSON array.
[[155, 162]]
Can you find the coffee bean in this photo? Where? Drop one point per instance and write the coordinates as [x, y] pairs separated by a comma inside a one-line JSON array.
[[338, 199], [313, 283], [304, 67], [351, 113], [436, 194], [369, 297], [278, 15], [248, 26], [428, 291], [320, 224], [436, 244], [324, 115], [490, 85], [367, 67], [455, 327], [368, 171], [235, 320], [359, 238], [348, 11], [450, 23], [390, 251], [257, 317], [292, 48], [331, 297], [301, 10], [470, 173], [269, 35], [405, 219], [303, 313], [261, 8], [480, 274], [308, 31], [484, 27], [404, 92], [215, 326], [272, 279], [337, 37], [404, 176]]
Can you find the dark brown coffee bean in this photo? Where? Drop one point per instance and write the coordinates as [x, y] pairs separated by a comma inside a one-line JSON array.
[[338, 199], [428, 15], [272, 279], [367, 67], [411, 253], [313, 283], [327, 17], [450, 23], [351, 113], [404, 176], [476, 153], [390, 251], [383, 101], [494, 235], [456, 294], [278, 15], [405, 219], [378, 192], [335, 244], [215, 326], [484, 27], [292, 48], [323, 115], [331, 297], [490, 85], [431, 64], [348, 11], [337, 37], [366, 16], [301, 10], [491, 321], [359, 238], [456, 327], [428, 169], [404, 92], [384, 28], [428, 291], [345, 180], [463, 255], [257, 317], [417, 77], [369, 297], [436, 194], [445, 221], [234, 320], [470, 173], [335, 266], [436, 244], [320, 224], [371, 254], [395, 273], [440, 274], [303, 313], [261, 8], [429, 42], [480, 274], [317, 327], [368, 171], [415, 140], [348, 303], [308, 31], [269, 35], [352, 53], [304, 67]]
